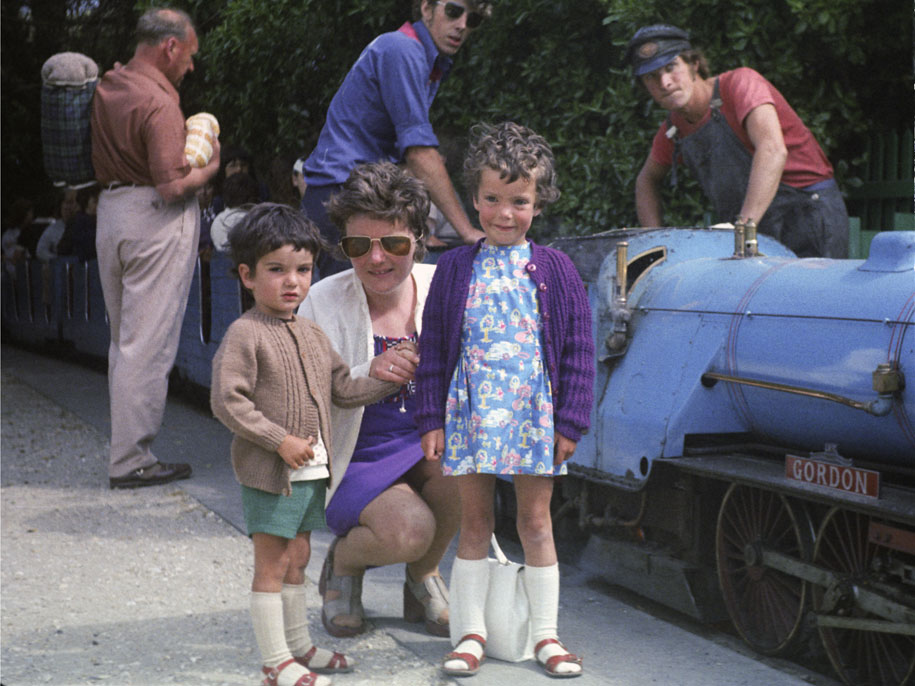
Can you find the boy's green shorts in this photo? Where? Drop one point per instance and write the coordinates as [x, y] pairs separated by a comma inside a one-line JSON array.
[[285, 516]]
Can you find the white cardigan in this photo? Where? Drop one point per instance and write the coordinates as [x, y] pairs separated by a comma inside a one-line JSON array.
[[338, 305]]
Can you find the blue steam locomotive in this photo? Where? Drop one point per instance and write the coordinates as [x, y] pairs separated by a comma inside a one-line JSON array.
[[752, 452]]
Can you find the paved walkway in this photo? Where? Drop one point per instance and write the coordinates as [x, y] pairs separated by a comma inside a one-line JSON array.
[[151, 586]]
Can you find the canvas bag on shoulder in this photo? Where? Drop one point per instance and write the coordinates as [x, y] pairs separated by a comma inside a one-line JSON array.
[[68, 86]]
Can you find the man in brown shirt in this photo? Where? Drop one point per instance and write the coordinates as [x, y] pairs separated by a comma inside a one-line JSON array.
[[148, 227]]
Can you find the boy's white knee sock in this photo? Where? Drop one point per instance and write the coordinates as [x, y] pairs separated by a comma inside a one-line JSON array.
[[267, 617], [295, 618]]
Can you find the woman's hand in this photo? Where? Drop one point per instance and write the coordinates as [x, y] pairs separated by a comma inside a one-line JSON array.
[[397, 364], [296, 451], [433, 444], [563, 449]]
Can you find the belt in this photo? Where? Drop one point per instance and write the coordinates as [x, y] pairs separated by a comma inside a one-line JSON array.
[[114, 185], [820, 186]]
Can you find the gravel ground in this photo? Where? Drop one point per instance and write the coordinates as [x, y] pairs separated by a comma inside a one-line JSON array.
[[130, 587]]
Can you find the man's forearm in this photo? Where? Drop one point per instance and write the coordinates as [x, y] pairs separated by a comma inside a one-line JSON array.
[[177, 189], [647, 201], [426, 164]]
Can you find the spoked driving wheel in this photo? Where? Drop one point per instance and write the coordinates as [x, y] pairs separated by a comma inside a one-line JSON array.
[[766, 606], [862, 658]]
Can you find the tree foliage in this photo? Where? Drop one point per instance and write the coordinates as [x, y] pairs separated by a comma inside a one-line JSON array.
[[269, 70]]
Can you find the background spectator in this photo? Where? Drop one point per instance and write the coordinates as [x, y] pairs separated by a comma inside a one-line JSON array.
[[239, 191], [50, 238]]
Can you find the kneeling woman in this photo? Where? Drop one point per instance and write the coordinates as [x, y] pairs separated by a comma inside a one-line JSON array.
[[390, 505]]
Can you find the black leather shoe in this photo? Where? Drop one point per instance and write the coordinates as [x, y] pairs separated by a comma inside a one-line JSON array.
[[159, 473]]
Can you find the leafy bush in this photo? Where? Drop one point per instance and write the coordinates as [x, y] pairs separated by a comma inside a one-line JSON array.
[[269, 70]]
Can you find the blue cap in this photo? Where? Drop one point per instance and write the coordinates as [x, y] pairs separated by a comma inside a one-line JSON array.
[[654, 46]]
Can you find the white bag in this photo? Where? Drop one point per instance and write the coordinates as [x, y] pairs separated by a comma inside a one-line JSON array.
[[507, 614]]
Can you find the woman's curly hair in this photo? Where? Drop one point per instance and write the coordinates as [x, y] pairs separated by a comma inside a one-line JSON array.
[[383, 190]]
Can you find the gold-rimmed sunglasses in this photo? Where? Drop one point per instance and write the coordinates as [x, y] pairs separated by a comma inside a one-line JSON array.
[[357, 246]]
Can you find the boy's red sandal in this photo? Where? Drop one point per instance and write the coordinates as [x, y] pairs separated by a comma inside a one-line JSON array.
[[273, 674]]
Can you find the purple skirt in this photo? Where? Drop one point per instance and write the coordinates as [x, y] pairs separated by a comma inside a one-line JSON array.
[[387, 447]]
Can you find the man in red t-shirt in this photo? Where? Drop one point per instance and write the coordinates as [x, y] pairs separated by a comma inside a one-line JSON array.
[[751, 153]]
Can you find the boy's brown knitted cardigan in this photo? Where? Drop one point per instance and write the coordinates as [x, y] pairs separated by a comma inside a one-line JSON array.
[[273, 377]]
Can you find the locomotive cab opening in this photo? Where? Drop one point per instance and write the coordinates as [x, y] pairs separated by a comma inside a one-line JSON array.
[[639, 265]]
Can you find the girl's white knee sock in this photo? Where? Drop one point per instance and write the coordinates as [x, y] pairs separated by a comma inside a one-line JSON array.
[[469, 584], [542, 586]]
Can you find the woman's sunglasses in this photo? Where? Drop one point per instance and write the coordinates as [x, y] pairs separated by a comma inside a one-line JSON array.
[[454, 11], [357, 246]]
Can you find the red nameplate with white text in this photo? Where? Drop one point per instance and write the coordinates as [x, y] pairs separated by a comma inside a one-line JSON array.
[[863, 482]]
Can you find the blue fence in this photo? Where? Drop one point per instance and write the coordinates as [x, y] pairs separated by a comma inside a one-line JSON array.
[[61, 303]]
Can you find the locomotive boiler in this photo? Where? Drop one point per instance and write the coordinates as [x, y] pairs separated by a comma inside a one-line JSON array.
[[752, 446]]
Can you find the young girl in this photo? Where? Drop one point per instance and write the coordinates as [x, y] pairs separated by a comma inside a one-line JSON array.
[[505, 382], [275, 376]]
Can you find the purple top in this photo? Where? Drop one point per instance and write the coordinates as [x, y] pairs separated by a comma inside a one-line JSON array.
[[565, 316]]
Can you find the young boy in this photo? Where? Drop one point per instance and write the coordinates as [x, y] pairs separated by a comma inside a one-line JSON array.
[[274, 378]]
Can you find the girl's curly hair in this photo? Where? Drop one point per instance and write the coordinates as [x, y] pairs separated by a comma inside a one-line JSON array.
[[515, 152]]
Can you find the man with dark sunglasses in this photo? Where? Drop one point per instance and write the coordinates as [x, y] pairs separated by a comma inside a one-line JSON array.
[[381, 112]]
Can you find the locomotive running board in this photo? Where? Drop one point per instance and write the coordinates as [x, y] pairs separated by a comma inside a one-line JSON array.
[[895, 502]]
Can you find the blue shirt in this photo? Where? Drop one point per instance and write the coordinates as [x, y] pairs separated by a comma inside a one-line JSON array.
[[382, 108]]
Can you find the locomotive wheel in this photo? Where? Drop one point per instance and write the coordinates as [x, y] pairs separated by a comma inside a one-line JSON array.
[[766, 606], [862, 658]]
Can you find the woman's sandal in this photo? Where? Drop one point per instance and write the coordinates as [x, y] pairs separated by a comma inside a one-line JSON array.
[[337, 664], [347, 602], [472, 661], [427, 600], [551, 663], [307, 679]]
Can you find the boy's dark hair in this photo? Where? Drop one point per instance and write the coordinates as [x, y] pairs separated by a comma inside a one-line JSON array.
[[267, 227], [240, 189], [382, 190], [515, 152]]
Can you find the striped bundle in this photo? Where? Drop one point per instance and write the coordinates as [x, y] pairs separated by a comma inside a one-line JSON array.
[[202, 132]]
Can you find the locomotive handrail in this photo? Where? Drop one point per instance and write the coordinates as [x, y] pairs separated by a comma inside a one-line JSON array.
[[879, 407]]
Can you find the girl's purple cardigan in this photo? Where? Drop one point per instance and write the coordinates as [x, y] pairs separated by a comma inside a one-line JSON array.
[[565, 317]]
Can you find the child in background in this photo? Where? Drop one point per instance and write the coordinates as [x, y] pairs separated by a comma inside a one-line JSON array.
[[504, 382], [274, 377]]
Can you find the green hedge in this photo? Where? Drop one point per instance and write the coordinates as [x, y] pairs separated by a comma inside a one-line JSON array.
[[268, 70]]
